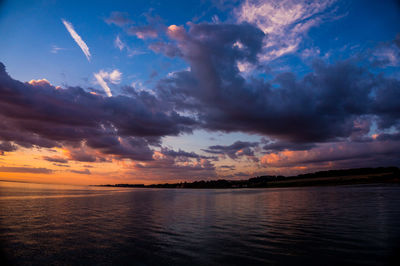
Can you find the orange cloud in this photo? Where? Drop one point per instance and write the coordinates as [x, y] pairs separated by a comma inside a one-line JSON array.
[[176, 32], [39, 82]]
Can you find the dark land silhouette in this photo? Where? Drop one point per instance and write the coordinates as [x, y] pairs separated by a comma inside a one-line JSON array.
[[322, 178]]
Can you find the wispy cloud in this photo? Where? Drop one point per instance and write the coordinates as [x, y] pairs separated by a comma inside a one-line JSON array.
[[55, 49], [285, 22], [103, 84], [103, 77], [119, 44], [119, 18], [77, 38], [144, 32], [122, 45]]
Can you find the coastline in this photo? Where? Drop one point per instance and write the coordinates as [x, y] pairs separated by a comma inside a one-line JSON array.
[[323, 178]]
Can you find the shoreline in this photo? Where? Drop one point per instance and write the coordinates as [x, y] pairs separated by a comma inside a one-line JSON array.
[[384, 175]]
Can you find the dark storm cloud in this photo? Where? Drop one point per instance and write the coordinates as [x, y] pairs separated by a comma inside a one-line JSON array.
[[285, 145], [321, 106], [23, 138], [185, 154], [39, 114], [397, 40], [387, 102], [130, 147], [179, 153], [237, 149], [385, 136], [6, 146]]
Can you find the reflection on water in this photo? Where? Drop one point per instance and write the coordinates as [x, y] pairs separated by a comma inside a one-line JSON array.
[[16, 191], [41, 224]]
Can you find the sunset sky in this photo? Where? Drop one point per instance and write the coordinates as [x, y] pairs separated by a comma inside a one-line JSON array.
[[95, 92]]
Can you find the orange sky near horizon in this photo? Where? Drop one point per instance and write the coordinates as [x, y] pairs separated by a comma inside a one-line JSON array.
[[42, 165]]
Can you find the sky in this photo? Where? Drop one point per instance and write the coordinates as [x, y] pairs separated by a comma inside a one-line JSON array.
[[100, 92]]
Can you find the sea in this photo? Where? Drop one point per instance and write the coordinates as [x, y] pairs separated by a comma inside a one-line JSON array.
[[85, 225]]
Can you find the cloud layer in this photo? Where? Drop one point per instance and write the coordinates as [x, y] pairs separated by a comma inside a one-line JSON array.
[[39, 114], [340, 114]]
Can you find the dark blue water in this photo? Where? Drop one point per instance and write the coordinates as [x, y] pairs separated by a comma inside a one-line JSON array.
[[60, 225]]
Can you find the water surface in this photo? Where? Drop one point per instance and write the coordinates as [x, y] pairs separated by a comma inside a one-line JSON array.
[[63, 225]]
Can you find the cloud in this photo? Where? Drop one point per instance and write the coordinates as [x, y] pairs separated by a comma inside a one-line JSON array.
[[153, 30], [77, 38], [183, 154], [113, 76], [386, 53], [179, 153], [44, 83], [61, 165], [81, 155], [281, 145], [336, 156], [285, 22], [103, 84], [83, 172], [143, 32], [341, 103], [168, 164], [91, 127], [119, 44], [31, 170], [387, 56], [234, 151], [103, 77], [119, 19], [55, 49], [227, 167], [127, 147], [6, 146], [122, 45], [168, 49], [320, 106], [334, 108], [55, 159]]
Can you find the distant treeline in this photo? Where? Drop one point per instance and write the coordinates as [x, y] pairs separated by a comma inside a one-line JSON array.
[[332, 177]]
